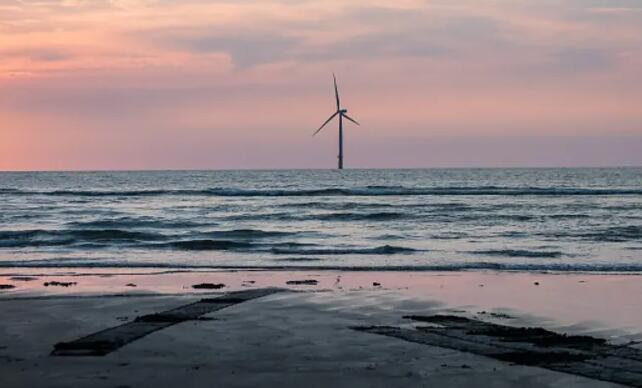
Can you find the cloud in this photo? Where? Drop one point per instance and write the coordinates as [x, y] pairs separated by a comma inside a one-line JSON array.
[[376, 32], [37, 54], [246, 48], [583, 59], [373, 46]]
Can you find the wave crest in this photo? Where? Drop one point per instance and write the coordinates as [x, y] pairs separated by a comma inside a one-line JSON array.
[[208, 245], [382, 250], [40, 237], [519, 253]]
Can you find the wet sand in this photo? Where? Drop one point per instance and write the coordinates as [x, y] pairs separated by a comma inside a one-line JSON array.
[[303, 334]]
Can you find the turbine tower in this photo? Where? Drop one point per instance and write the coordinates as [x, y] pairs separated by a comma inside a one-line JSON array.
[[342, 113]]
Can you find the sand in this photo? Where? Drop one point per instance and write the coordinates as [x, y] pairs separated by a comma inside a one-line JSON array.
[[303, 334]]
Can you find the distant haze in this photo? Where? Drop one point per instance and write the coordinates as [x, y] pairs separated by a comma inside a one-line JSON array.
[[193, 84]]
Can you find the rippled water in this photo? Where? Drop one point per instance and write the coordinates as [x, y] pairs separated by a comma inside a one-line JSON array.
[[530, 219]]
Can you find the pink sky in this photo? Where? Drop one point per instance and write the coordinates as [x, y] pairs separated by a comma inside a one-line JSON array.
[[180, 84]]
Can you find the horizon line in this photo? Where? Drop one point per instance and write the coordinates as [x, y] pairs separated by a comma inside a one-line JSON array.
[[561, 167]]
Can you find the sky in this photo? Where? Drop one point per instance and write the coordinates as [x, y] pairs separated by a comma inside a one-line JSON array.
[[206, 84]]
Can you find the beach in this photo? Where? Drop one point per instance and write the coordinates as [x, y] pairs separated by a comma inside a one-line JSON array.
[[304, 330]]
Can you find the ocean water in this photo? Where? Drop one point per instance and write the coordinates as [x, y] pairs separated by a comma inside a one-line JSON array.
[[447, 219]]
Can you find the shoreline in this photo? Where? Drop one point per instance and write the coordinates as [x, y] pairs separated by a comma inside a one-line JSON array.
[[160, 269]]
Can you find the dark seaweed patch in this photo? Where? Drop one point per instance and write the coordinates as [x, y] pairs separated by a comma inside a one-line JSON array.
[[309, 282], [536, 336], [208, 286], [59, 284], [438, 319], [579, 355]]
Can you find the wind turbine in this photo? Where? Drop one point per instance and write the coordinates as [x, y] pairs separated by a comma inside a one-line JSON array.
[[342, 113]]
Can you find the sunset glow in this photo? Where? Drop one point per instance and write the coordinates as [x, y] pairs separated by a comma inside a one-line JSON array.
[[169, 84]]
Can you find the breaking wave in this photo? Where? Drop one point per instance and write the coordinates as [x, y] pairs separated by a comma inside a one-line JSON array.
[[133, 222], [519, 253], [616, 234], [376, 216], [40, 237], [382, 250], [612, 234], [216, 240], [207, 245], [252, 233]]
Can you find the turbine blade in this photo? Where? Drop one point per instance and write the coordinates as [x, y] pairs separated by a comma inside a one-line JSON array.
[[350, 118], [326, 122], [336, 91]]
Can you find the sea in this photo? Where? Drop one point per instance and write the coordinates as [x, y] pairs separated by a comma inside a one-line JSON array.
[[403, 220]]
